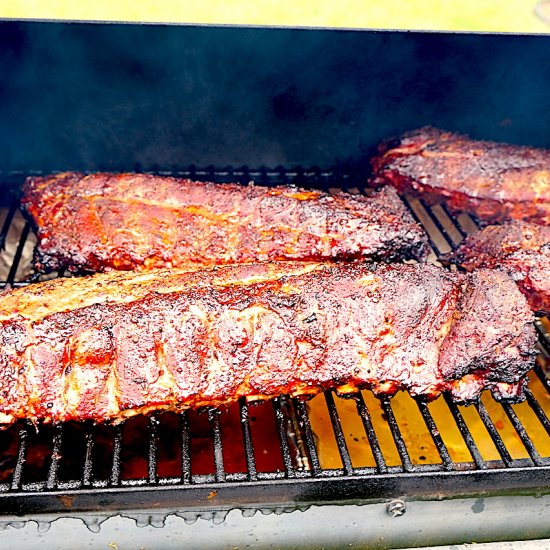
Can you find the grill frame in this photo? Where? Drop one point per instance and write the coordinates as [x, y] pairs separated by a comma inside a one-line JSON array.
[[302, 482]]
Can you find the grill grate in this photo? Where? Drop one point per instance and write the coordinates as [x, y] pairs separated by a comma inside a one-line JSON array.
[[271, 454]]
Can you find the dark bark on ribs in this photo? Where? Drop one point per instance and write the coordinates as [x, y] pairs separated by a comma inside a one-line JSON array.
[[118, 344], [494, 181], [137, 221], [521, 248]]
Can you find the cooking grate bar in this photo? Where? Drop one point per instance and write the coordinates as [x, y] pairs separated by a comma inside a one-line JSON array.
[[152, 476], [396, 434], [537, 409], [465, 432], [313, 177], [185, 451], [56, 454], [294, 433], [281, 430], [338, 433], [117, 448], [493, 432], [442, 229], [7, 222], [214, 418], [17, 477], [542, 377], [305, 425], [247, 438], [448, 228], [456, 223], [522, 433], [544, 338], [87, 473], [371, 434], [448, 463], [18, 254], [418, 212]]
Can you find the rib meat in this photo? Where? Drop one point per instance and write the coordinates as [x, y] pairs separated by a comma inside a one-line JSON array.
[[138, 221], [521, 248], [117, 344], [494, 181]]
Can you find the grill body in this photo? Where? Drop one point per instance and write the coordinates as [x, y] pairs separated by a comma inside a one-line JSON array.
[[85, 468], [220, 104]]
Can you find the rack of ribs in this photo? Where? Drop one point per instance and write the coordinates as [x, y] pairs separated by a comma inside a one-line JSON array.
[[137, 221], [116, 344], [493, 181], [521, 248]]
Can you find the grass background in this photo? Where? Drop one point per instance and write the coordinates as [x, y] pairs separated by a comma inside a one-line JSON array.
[[469, 15]]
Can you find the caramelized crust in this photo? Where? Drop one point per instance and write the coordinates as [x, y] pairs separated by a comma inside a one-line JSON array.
[[137, 221], [494, 181], [521, 248], [114, 345]]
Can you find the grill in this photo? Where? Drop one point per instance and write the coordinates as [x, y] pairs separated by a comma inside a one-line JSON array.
[[281, 455], [170, 99]]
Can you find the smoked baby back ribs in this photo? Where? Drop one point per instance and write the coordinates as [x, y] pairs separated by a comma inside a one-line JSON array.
[[116, 344], [493, 181], [522, 249], [136, 221]]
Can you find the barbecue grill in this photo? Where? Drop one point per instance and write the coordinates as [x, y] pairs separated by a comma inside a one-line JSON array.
[[239, 98]]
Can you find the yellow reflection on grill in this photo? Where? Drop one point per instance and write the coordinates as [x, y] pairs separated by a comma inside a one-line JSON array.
[[416, 436]]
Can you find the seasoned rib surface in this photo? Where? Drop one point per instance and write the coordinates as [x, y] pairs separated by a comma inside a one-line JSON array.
[[116, 344], [522, 249], [137, 221], [494, 181]]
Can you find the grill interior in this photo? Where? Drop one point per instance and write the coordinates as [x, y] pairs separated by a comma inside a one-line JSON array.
[[283, 454]]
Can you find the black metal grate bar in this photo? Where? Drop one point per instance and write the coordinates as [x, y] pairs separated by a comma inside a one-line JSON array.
[[456, 223], [18, 254], [542, 377], [371, 434], [467, 224], [57, 441], [185, 448], [17, 477], [247, 439], [522, 433], [214, 417], [281, 430], [446, 459], [544, 338], [117, 449], [466, 434], [338, 433], [87, 473], [294, 434], [443, 230], [7, 223], [415, 215], [152, 476], [538, 410], [493, 432], [396, 434], [305, 425]]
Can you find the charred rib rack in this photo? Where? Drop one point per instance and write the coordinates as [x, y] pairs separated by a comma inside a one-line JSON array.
[[114, 345], [138, 221], [521, 248], [493, 181]]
